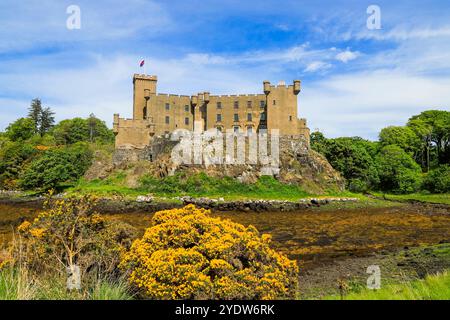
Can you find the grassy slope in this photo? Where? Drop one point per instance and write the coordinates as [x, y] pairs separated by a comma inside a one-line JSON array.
[[200, 186]]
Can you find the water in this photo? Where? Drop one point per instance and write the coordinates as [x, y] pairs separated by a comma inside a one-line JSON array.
[[312, 237]]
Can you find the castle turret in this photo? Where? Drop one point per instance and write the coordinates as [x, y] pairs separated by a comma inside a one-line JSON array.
[[206, 97], [266, 85], [297, 87], [144, 86]]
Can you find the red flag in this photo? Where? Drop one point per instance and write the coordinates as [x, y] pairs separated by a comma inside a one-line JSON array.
[[142, 63]]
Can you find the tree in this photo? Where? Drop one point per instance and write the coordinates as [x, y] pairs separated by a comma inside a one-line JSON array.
[[318, 142], [20, 130], [439, 122], [438, 180], [46, 121], [78, 129], [71, 131], [57, 166], [34, 113], [98, 131], [398, 172], [42, 117], [350, 157], [13, 156], [404, 137]]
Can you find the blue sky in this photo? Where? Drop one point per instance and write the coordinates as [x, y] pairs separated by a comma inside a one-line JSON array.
[[355, 80]]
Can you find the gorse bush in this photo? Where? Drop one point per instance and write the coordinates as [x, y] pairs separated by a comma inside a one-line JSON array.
[[70, 232], [187, 254]]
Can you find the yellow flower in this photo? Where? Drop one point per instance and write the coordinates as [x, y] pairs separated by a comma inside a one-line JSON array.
[[24, 226], [37, 232]]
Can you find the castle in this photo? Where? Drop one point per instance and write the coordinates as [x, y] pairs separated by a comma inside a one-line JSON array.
[[157, 114]]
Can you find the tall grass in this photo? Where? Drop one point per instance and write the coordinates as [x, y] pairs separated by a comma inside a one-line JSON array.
[[16, 284], [433, 287]]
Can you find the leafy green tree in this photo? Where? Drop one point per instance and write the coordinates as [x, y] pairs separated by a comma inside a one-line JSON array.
[[439, 123], [21, 129], [404, 137], [438, 180], [98, 131], [71, 131], [34, 113], [56, 167], [350, 157], [78, 129], [398, 172], [13, 156], [318, 142]]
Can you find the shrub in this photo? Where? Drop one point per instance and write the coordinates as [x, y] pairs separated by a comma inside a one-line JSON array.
[[70, 232], [13, 156], [438, 180], [187, 254], [57, 166]]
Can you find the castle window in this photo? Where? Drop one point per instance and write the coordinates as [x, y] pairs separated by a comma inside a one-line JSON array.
[[167, 120], [263, 116], [236, 104], [186, 121], [219, 117], [262, 104], [186, 108], [219, 105], [167, 106], [249, 104], [290, 118], [144, 112], [249, 117], [274, 102], [236, 129], [236, 117]]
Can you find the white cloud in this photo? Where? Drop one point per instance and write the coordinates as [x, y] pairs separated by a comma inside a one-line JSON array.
[[363, 103], [346, 56], [317, 66]]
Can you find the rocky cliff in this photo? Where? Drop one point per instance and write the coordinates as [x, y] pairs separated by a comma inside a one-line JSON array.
[[306, 168]]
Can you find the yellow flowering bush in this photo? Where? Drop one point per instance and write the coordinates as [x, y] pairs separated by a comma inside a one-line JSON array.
[[70, 232], [188, 254]]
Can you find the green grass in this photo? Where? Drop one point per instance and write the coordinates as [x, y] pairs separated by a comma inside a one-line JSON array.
[[202, 185], [433, 287], [443, 198], [16, 284]]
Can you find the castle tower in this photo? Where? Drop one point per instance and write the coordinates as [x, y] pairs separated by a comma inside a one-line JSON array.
[[144, 87], [281, 107]]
